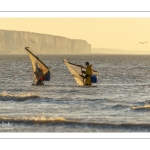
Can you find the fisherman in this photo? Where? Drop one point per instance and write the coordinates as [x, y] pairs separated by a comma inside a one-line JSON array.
[[39, 75], [88, 74]]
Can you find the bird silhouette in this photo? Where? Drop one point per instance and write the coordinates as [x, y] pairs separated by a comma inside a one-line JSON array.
[[33, 41], [142, 42]]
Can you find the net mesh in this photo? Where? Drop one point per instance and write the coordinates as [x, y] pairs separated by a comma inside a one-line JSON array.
[[39, 69]]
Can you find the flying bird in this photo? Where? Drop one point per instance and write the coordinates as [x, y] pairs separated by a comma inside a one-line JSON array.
[[33, 41], [142, 42]]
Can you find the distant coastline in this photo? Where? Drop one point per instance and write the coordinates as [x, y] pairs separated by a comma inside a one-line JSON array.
[[109, 51]]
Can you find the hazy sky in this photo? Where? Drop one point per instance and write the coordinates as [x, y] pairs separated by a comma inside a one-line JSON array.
[[114, 33]]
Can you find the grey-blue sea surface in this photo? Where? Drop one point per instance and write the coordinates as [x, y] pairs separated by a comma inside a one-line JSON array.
[[62, 106]]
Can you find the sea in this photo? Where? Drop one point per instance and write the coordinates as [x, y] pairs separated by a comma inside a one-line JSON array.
[[118, 102]]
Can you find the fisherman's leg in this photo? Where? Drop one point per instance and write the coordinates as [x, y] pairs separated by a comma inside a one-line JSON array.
[[88, 81], [42, 83], [39, 82]]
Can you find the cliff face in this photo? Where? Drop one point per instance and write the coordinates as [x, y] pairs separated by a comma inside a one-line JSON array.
[[16, 41]]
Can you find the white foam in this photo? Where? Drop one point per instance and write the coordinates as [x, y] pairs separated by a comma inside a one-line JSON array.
[[34, 119], [22, 95]]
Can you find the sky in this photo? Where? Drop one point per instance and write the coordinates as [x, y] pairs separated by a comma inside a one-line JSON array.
[[113, 33]]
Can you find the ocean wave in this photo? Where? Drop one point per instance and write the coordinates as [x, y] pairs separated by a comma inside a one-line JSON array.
[[18, 96], [74, 123], [143, 107], [31, 119], [120, 106]]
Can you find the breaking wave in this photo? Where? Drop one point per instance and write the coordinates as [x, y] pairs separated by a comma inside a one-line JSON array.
[[31, 119], [19, 96], [143, 107], [74, 123]]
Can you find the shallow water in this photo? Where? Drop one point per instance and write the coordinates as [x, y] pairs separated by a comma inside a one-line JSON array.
[[62, 106]]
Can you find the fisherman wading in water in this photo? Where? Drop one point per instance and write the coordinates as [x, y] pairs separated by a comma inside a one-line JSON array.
[[39, 75], [88, 73]]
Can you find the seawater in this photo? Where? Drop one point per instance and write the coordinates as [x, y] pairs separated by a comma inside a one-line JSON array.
[[62, 106]]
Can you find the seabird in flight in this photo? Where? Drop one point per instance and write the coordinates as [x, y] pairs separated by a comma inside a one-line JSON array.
[[33, 41], [143, 42]]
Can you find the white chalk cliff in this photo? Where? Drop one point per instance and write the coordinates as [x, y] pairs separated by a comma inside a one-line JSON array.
[[16, 41]]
